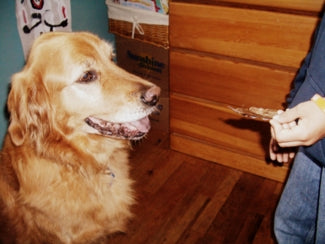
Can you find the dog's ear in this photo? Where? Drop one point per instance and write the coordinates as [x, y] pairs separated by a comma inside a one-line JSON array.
[[17, 128], [28, 106]]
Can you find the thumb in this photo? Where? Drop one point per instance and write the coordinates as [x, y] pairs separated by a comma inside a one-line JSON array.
[[288, 116]]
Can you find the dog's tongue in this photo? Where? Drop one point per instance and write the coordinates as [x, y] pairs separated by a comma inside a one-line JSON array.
[[142, 125]]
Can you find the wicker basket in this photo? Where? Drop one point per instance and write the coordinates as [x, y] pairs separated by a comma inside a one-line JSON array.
[[153, 34], [139, 24]]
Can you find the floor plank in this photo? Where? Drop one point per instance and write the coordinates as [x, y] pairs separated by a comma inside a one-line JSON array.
[[185, 200]]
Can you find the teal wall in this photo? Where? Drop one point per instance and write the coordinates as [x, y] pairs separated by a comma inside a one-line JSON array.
[[87, 15]]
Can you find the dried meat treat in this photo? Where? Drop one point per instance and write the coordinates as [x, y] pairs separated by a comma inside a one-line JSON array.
[[264, 112], [256, 113]]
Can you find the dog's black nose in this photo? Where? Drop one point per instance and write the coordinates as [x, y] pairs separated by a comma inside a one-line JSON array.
[[151, 96]]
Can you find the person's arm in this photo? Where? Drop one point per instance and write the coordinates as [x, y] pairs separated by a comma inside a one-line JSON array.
[[299, 79]]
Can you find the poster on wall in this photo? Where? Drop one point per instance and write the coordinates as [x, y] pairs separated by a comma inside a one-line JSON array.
[[35, 17]]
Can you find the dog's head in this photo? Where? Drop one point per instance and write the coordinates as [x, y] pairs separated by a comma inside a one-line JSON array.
[[71, 85]]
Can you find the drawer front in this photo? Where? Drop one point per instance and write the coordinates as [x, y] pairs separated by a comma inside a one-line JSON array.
[[214, 123], [262, 36], [226, 157], [224, 81], [311, 7]]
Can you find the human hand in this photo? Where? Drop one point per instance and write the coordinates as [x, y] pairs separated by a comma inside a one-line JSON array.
[[302, 125]]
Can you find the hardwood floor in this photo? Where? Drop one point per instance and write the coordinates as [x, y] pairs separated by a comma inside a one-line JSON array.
[[182, 199]]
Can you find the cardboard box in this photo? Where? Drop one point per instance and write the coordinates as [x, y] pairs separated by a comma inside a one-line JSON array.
[[145, 60], [151, 63]]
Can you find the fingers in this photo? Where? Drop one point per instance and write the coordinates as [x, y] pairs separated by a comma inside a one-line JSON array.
[[281, 155], [281, 152], [292, 155], [284, 132], [291, 144], [272, 150], [290, 116]]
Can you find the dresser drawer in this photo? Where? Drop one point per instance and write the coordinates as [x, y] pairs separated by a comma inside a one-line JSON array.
[[227, 157], [215, 123], [263, 36], [228, 82], [310, 7]]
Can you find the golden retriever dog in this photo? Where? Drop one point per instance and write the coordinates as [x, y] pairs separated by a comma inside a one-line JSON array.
[[64, 172]]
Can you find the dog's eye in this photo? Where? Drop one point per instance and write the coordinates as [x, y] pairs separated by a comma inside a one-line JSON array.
[[88, 76]]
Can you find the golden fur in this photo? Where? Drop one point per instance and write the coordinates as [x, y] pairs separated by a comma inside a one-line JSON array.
[[64, 173]]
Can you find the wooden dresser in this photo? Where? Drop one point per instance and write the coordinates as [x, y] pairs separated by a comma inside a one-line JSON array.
[[240, 53]]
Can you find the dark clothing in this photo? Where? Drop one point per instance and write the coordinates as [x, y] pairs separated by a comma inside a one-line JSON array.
[[309, 81], [300, 215]]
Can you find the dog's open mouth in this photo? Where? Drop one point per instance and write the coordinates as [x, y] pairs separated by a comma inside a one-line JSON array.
[[130, 130]]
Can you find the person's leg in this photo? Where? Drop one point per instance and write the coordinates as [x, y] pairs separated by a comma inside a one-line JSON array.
[[295, 216], [320, 227]]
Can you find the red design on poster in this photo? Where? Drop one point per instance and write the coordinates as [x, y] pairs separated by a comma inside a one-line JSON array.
[[37, 4]]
